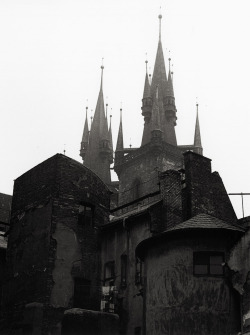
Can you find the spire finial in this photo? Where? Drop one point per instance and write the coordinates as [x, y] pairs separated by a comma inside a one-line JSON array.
[[64, 150], [169, 63], [197, 105], [160, 17], [146, 62], [102, 67]]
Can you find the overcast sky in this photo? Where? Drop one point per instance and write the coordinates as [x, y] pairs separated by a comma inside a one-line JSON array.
[[50, 57]]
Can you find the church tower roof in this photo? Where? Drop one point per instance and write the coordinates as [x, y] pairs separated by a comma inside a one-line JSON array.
[[97, 156], [146, 91], [85, 137], [166, 101], [119, 143], [111, 140], [170, 88], [197, 134]]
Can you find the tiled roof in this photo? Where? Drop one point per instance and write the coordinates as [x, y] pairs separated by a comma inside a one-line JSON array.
[[204, 221], [5, 207]]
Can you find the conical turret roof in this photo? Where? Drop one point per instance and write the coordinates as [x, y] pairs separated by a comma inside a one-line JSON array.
[[197, 134], [119, 143], [85, 135]]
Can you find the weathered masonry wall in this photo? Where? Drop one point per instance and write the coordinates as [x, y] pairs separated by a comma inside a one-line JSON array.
[[139, 176], [239, 264], [54, 243], [204, 191], [178, 302], [121, 240]]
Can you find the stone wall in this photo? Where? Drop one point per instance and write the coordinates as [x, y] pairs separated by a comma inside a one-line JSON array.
[[178, 302], [52, 242]]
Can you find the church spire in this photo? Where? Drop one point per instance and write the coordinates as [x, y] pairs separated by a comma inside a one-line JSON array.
[[146, 108], [166, 104], [110, 140], [170, 88], [97, 156], [197, 135], [85, 137], [119, 143]]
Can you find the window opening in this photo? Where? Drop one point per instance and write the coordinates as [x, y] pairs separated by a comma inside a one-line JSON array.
[[208, 263]]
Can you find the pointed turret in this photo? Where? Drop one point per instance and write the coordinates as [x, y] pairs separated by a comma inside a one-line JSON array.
[[170, 109], [85, 137], [197, 136], [119, 143], [97, 156], [146, 108], [110, 141], [164, 86]]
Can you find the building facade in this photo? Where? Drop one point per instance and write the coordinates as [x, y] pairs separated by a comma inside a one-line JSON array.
[[161, 251]]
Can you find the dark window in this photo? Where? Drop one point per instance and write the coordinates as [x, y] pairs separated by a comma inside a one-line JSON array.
[[137, 331], [85, 214], [138, 271], [123, 270], [109, 273], [208, 263], [82, 293]]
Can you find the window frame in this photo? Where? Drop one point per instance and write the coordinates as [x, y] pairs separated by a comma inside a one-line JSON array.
[[206, 255]]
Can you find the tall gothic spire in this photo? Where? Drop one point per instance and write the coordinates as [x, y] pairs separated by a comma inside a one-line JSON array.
[[197, 135], [97, 156], [166, 103]]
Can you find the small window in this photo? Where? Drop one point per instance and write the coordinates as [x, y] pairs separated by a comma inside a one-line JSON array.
[[85, 215], [123, 270], [109, 273], [208, 263]]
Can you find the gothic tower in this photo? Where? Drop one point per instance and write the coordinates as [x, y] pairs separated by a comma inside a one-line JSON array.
[[137, 168], [96, 146]]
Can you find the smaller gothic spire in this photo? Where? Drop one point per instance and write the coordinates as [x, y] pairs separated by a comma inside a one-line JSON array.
[[85, 137], [170, 88], [110, 139], [119, 144], [146, 92], [197, 135]]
